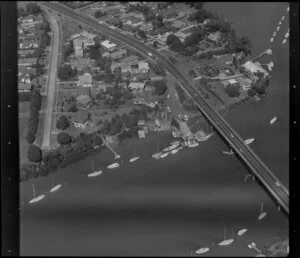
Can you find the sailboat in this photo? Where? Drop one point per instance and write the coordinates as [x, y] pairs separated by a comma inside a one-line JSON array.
[[135, 158], [248, 141], [271, 40], [158, 153], [175, 150], [54, 188], [273, 120], [242, 231], [113, 165], [202, 250], [262, 213], [226, 241], [164, 155], [38, 198], [95, 173]]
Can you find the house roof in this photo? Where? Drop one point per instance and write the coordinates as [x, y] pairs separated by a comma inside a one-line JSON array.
[[143, 65], [126, 15], [232, 81], [86, 78], [178, 24], [107, 44], [81, 116], [78, 42], [24, 86], [83, 91], [118, 53], [83, 99], [23, 61], [215, 36], [171, 15], [130, 59], [136, 85], [254, 67]]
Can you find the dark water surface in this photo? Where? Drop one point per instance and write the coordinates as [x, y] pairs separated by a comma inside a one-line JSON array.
[[175, 205]]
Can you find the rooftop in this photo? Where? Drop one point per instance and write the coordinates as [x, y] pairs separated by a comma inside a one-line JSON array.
[[81, 116], [86, 78], [215, 36], [107, 44]]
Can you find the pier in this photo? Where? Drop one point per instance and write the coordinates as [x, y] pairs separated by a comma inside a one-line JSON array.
[[105, 142]]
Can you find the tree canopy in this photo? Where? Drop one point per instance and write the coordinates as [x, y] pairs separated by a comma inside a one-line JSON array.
[[63, 138], [66, 72], [34, 153], [62, 123]]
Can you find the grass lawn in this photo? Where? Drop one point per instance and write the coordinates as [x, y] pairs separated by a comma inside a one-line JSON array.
[[24, 109], [69, 28]]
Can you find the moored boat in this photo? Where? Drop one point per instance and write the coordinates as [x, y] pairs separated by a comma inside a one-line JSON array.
[[242, 231], [114, 165], [271, 40], [202, 250], [204, 138], [226, 241], [156, 155], [38, 198], [248, 141], [55, 188], [192, 145], [284, 41], [228, 153], [174, 151], [134, 159], [164, 155], [94, 173], [273, 120]]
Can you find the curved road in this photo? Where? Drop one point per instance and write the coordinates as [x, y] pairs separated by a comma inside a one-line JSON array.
[[278, 192]]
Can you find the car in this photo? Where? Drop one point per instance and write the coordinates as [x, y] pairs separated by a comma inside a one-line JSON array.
[[231, 135], [277, 183]]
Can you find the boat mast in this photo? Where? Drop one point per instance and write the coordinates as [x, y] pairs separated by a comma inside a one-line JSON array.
[[52, 181], [92, 165], [33, 190], [225, 232], [261, 207]]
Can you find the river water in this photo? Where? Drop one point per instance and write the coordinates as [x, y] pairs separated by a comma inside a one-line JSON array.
[[175, 205]]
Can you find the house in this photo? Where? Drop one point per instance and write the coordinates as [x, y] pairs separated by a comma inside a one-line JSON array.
[[78, 47], [254, 68], [24, 70], [110, 47], [244, 82], [141, 134], [170, 16], [85, 80], [181, 35], [133, 21], [83, 101], [27, 61], [130, 59], [136, 86], [83, 91], [24, 87], [177, 24], [25, 52], [118, 54], [113, 21], [146, 26], [141, 123], [124, 16], [24, 78], [81, 118], [214, 37], [81, 63], [143, 67]]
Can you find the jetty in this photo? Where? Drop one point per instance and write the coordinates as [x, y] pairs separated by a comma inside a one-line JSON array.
[[267, 52], [117, 156]]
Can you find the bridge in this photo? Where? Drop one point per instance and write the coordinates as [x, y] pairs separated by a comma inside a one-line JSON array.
[[272, 185]]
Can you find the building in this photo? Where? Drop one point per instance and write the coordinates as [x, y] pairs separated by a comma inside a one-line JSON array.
[[146, 26], [27, 61], [110, 47], [81, 119], [177, 24], [143, 67], [254, 68], [141, 134], [78, 47], [244, 82], [133, 21], [83, 91], [85, 80], [81, 63], [25, 52], [214, 37], [118, 54], [130, 59], [124, 16], [24, 87], [170, 16], [136, 86], [181, 35]]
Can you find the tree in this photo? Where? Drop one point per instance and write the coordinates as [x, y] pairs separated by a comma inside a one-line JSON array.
[[21, 12], [34, 153], [98, 14], [244, 44], [155, 43], [174, 42], [32, 8], [63, 138], [66, 72], [35, 100], [142, 34], [160, 87], [62, 123], [192, 73], [30, 137], [251, 92], [149, 17], [73, 108], [158, 69], [232, 90]]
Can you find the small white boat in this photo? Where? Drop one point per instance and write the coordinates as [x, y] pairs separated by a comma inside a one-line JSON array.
[[55, 188], [282, 18], [284, 41], [172, 147], [271, 40], [134, 159], [262, 213], [175, 142], [156, 155], [274, 33], [280, 23], [248, 141], [278, 28], [202, 250], [192, 145], [95, 173], [174, 151], [242, 231], [286, 35], [204, 138], [228, 153], [114, 165], [261, 255], [38, 198], [164, 155], [226, 241], [288, 9], [273, 120]]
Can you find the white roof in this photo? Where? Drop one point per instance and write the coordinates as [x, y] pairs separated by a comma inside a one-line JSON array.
[[107, 44], [232, 81], [136, 85], [254, 67], [143, 65]]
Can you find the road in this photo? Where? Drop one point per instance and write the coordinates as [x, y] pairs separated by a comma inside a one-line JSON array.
[[279, 193], [51, 82]]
